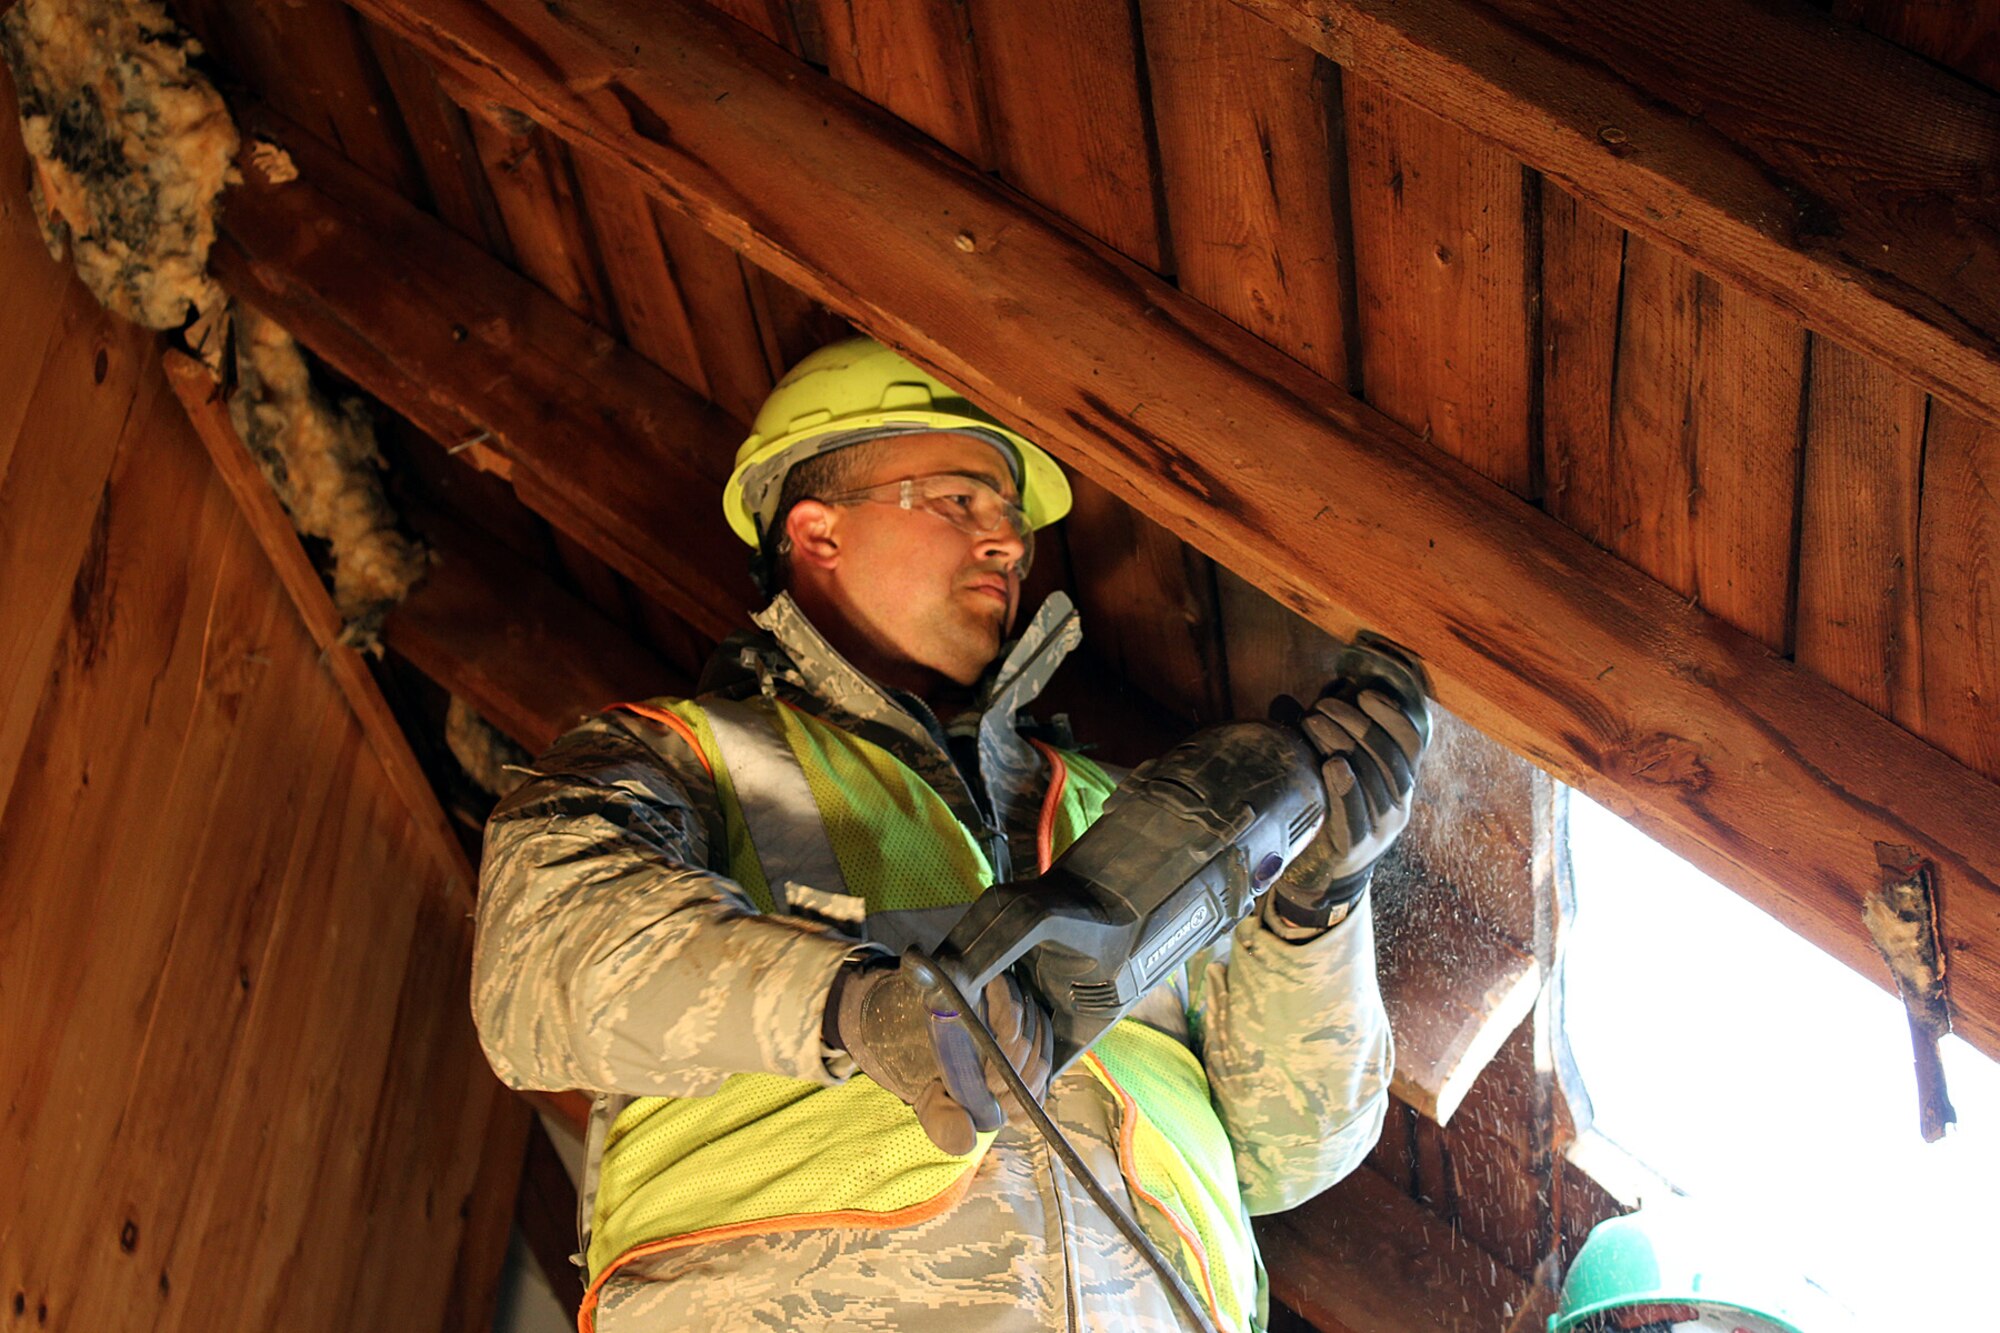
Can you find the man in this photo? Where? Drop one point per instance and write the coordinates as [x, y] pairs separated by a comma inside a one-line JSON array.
[[694, 910]]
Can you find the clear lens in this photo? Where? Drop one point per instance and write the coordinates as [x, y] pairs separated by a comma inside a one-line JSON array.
[[967, 503]]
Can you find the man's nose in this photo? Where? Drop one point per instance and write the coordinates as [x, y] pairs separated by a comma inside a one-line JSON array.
[[1003, 544]]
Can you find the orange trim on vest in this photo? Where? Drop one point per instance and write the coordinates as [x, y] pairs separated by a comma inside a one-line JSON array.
[[1128, 1115], [673, 722], [1045, 831], [846, 1217]]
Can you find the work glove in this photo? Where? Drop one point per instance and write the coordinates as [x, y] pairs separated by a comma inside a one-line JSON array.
[[1370, 742], [878, 1016]]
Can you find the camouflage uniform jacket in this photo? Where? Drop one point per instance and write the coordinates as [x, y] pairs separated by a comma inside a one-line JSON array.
[[612, 956]]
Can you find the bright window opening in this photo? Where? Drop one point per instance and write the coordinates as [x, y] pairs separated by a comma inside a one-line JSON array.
[[1762, 1077]]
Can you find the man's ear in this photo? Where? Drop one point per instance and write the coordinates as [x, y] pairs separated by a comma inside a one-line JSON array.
[[813, 528]]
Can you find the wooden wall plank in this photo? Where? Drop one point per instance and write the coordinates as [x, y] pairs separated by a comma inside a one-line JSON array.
[[919, 61], [36, 284], [1068, 117], [1441, 275], [200, 395], [1148, 603], [1858, 608], [71, 429], [497, 632], [209, 896], [1251, 158]]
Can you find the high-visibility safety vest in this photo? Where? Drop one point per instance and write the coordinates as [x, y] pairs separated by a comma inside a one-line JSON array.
[[766, 1153]]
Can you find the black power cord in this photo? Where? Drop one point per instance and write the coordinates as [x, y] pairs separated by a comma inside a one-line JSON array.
[[989, 1050]]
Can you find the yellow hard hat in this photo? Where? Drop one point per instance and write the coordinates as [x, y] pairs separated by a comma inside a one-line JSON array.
[[857, 390]]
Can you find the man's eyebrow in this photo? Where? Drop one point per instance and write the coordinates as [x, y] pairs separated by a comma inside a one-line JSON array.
[[993, 479]]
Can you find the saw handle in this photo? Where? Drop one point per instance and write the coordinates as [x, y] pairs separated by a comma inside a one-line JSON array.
[[957, 1057]]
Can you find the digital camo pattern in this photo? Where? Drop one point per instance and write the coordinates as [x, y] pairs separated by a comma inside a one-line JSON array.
[[611, 957]]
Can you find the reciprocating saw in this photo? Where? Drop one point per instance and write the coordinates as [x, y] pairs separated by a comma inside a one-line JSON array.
[[1180, 855]]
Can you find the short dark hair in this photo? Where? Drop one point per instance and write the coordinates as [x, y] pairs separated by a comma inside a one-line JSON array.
[[829, 473]]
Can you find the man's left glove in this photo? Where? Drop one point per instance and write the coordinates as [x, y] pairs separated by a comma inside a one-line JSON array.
[[878, 1016], [1370, 743]]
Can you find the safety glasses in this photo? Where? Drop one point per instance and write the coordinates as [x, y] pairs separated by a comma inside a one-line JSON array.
[[972, 506]]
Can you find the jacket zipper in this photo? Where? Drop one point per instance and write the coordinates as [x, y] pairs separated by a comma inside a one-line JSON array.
[[1065, 1236]]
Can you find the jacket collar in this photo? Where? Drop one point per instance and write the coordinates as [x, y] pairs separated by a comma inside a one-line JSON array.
[[797, 652]]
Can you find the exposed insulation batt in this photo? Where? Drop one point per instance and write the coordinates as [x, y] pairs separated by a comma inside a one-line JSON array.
[[322, 461], [488, 758], [131, 148]]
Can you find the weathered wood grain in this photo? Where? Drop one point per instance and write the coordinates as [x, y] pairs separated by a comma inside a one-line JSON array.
[[540, 206], [1748, 766], [1068, 123], [200, 395], [1583, 268], [218, 922], [1858, 620], [652, 316], [1832, 174], [1958, 582], [310, 60], [1704, 449], [1441, 277], [441, 137], [919, 61], [590, 433], [1957, 36], [71, 428], [1251, 155]]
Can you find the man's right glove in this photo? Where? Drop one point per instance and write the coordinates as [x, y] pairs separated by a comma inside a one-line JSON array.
[[878, 1016], [1370, 742]]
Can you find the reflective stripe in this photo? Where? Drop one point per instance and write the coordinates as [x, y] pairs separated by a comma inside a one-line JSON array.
[[784, 821]]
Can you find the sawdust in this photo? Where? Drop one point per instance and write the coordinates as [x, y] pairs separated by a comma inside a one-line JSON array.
[[488, 758], [131, 147], [321, 459]]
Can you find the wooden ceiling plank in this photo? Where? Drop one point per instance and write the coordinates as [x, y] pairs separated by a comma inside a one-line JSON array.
[[1748, 766], [651, 315], [1704, 445], [1068, 119], [1441, 273], [1958, 580], [716, 288], [919, 61], [1583, 268], [529, 174], [1250, 146], [441, 137], [591, 434], [1858, 608], [1835, 175]]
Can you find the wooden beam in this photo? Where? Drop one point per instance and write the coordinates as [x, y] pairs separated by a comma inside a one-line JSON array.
[[592, 435], [1755, 770], [1365, 1258], [1833, 173], [497, 632]]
